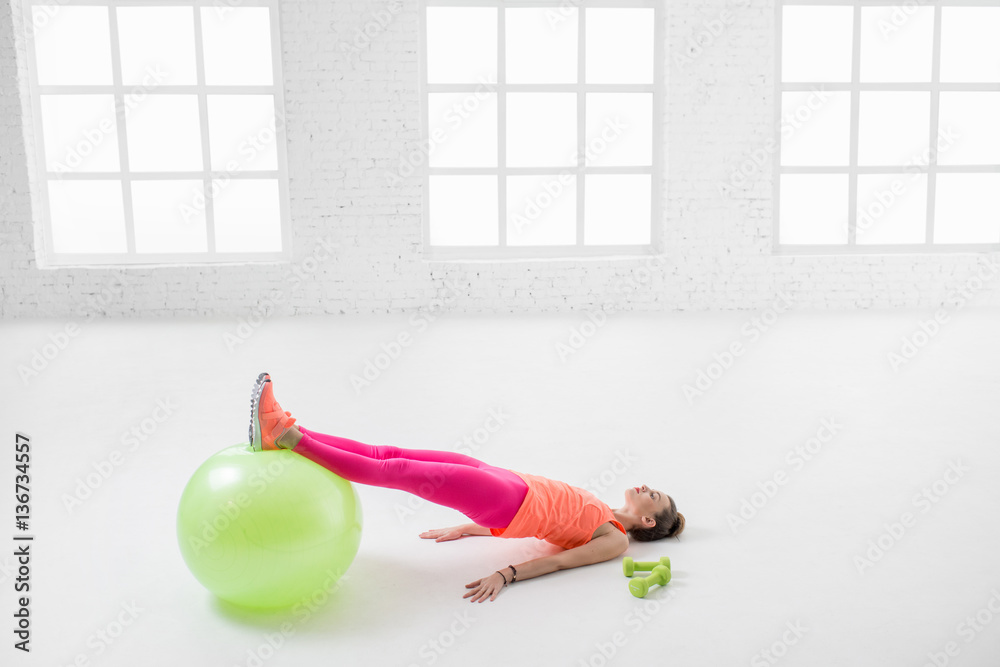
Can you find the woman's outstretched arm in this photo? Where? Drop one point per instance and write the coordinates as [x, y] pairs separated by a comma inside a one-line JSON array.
[[455, 532], [602, 548]]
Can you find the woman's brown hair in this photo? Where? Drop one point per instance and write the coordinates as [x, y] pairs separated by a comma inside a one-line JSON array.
[[669, 523]]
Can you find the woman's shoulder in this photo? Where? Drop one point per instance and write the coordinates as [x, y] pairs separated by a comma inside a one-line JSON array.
[[608, 527]]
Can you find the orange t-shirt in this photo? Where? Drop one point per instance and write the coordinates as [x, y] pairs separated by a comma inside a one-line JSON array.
[[558, 513]]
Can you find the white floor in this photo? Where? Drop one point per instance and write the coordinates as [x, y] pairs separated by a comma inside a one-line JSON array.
[[614, 411]]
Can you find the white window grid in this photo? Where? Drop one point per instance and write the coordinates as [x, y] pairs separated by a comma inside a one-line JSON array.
[[206, 175], [580, 171], [935, 87]]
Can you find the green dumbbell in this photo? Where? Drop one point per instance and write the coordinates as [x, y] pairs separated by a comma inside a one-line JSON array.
[[639, 586], [630, 567]]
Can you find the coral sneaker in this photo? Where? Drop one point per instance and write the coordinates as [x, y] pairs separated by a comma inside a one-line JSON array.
[[268, 421]]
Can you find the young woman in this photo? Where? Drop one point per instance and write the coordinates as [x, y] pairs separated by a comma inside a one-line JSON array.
[[500, 502]]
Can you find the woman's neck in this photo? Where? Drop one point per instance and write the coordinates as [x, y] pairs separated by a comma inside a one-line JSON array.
[[626, 519]]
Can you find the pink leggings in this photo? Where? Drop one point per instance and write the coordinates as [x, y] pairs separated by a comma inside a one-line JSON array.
[[488, 495]]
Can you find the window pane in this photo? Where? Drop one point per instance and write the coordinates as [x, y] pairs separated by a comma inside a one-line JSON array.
[[892, 208], [169, 216], [967, 208], [813, 209], [87, 216], [893, 126], [541, 210], [970, 128], [164, 134], [619, 45], [816, 43], [157, 45], [237, 43], [541, 45], [816, 128], [616, 209], [463, 210], [619, 129], [80, 133], [247, 215], [970, 48], [241, 130], [72, 45], [541, 129], [462, 129], [892, 51], [461, 44]]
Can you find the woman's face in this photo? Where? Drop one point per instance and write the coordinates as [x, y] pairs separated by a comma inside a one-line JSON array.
[[644, 501]]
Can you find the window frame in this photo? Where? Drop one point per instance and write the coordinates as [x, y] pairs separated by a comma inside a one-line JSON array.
[[852, 170], [48, 258], [502, 251]]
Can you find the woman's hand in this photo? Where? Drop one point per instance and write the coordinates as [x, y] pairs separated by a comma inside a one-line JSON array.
[[444, 534], [488, 587]]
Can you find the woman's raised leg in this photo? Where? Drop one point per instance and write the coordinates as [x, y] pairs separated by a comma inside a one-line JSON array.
[[489, 496], [390, 452]]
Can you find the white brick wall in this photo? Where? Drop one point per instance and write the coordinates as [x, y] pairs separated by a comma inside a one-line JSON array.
[[352, 116]]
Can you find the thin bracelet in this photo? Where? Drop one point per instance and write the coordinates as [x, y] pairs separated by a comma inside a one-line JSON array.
[[513, 577], [504, 578]]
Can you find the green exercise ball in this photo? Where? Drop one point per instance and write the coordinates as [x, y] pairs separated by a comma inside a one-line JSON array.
[[267, 529]]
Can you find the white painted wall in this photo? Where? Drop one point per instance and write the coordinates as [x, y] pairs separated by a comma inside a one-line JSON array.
[[353, 115]]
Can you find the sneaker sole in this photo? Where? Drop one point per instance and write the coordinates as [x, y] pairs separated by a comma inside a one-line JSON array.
[[253, 434]]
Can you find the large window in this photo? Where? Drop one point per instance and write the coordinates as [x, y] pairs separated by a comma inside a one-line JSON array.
[[541, 127], [889, 124], [159, 131]]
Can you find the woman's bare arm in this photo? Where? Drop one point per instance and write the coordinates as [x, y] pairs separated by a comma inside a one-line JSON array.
[[599, 549], [607, 546], [454, 533]]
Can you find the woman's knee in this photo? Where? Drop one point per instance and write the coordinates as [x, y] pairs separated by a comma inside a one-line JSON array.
[[384, 452]]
